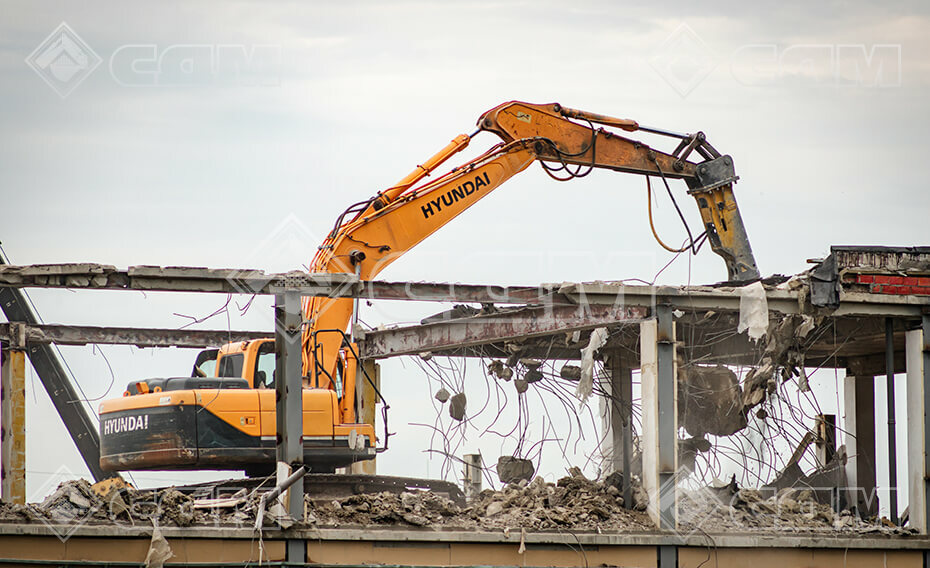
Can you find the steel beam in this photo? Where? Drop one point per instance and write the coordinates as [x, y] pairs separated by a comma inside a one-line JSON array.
[[140, 337], [482, 330]]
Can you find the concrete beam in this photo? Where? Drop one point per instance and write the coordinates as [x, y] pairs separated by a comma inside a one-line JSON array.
[[140, 337], [726, 299], [13, 430], [247, 281], [482, 330]]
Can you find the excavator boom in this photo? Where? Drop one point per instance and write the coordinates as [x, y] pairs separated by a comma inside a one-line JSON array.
[[568, 145]]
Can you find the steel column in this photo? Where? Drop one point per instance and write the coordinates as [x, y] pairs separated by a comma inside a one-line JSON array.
[[668, 417], [289, 409], [889, 395]]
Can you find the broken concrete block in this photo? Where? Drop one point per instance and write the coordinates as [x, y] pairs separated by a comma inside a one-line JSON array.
[[499, 370], [531, 364], [571, 373], [532, 376], [710, 400], [521, 385], [442, 395], [457, 406], [494, 508], [511, 469]]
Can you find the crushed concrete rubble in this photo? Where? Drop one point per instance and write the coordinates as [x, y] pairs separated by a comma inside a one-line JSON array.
[[573, 503]]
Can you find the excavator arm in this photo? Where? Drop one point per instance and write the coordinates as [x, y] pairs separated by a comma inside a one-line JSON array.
[[372, 234]]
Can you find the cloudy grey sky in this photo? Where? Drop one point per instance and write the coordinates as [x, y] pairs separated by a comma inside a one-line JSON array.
[[152, 159]]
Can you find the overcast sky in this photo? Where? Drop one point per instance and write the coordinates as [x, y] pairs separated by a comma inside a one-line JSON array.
[[161, 154]]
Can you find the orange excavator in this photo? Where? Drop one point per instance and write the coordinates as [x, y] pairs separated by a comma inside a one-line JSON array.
[[223, 416]]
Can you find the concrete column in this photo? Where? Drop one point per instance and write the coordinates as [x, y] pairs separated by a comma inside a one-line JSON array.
[[917, 353], [859, 408], [367, 398], [660, 417], [621, 421], [13, 430]]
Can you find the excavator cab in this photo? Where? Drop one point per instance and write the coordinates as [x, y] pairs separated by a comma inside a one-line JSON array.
[[226, 421]]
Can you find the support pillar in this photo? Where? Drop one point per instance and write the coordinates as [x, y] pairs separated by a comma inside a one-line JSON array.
[[366, 399], [859, 408], [13, 430], [660, 417], [917, 352], [621, 422], [472, 475], [289, 449]]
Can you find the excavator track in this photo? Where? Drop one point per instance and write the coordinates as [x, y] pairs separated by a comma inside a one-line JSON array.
[[327, 486]]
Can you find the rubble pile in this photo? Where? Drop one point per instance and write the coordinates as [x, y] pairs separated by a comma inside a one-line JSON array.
[[730, 509], [574, 502]]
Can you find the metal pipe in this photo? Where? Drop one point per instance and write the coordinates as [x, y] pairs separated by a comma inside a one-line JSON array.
[[892, 451], [283, 486], [662, 131]]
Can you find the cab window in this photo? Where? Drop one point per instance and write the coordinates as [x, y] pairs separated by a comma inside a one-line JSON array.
[[265, 366], [231, 365]]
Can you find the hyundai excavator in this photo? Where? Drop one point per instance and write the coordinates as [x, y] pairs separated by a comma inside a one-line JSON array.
[[223, 416]]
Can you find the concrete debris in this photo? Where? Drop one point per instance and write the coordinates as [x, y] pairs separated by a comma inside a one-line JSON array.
[[499, 370], [729, 508], [710, 401], [457, 406], [753, 311], [511, 469], [532, 376], [570, 373], [586, 382], [531, 364], [426, 355], [573, 503], [688, 450], [442, 395], [521, 385], [782, 358]]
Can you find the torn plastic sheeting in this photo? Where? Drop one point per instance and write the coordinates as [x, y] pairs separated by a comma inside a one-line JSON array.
[[586, 384], [753, 311], [159, 550]]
